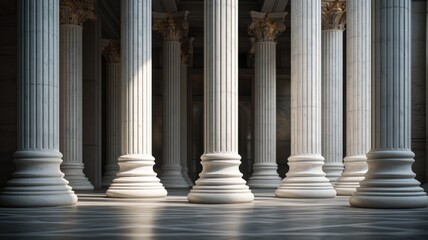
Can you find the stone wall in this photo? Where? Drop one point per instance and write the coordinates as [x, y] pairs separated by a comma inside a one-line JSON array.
[[8, 88]]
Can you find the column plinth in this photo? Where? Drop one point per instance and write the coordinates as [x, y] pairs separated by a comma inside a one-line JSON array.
[[111, 52], [390, 181], [37, 180], [173, 28], [136, 178], [332, 88], [73, 14], [358, 99], [305, 178], [265, 28], [220, 180]]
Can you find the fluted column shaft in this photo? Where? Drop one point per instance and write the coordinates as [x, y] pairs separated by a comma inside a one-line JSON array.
[[111, 52], [171, 175], [71, 94], [37, 180], [265, 173], [305, 177], [220, 180], [389, 181], [332, 103], [136, 177], [358, 95], [265, 102]]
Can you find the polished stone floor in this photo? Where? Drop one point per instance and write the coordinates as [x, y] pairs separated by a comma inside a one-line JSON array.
[[96, 216]]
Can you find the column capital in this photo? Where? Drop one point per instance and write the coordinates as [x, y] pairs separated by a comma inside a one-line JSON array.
[[187, 51], [173, 26], [333, 15], [110, 49], [265, 27], [76, 12]]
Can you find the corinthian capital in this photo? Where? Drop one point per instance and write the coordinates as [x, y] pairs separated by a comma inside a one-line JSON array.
[[333, 15], [110, 49], [173, 26], [265, 27], [76, 12]]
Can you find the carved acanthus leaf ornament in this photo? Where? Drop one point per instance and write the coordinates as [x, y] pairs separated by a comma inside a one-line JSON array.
[[333, 15], [76, 12]]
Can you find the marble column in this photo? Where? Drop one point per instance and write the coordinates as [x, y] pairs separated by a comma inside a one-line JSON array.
[[73, 14], [390, 181], [136, 178], [220, 180], [173, 27], [265, 27], [305, 178], [333, 24], [111, 52], [37, 180], [186, 61], [358, 95]]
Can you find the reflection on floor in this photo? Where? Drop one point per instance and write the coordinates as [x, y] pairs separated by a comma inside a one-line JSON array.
[[96, 216]]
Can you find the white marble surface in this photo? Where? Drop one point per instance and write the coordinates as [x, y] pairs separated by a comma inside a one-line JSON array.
[[98, 217], [136, 177], [171, 176], [71, 103], [332, 103], [220, 180], [265, 173], [358, 95], [37, 179], [305, 177], [390, 181]]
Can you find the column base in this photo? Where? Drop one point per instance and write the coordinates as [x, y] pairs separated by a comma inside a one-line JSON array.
[[37, 182], [333, 171], [389, 182], [264, 175], [172, 177], [305, 179], [74, 174], [220, 181], [355, 168], [110, 173], [136, 178]]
